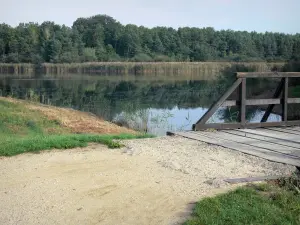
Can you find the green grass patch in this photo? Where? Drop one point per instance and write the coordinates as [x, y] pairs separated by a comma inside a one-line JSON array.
[[24, 130], [18, 121], [38, 143], [257, 204]]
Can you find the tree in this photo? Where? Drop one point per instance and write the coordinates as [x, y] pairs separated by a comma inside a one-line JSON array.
[[102, 38]]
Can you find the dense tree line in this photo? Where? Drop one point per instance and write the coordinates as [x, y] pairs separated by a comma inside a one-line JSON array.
[[102, 38]]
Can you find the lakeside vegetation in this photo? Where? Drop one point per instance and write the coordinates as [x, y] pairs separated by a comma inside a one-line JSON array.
[[256, 204], [27, 130], [170, 69], [102, 38]]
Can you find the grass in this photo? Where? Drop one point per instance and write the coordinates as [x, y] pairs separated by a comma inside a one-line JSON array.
[[266, 204], [24, 130]]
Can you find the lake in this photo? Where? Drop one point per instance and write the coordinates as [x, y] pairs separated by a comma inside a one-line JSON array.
[[155, 104]]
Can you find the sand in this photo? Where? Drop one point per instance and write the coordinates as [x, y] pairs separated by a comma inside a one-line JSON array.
[[150, 181]]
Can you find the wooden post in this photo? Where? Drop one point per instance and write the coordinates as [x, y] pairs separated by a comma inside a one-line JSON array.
[[285, 99], [242, 93]]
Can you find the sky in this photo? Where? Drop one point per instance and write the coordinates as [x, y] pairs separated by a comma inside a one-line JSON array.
[[250, 15]]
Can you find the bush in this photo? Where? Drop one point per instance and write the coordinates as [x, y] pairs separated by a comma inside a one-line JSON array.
[[142, 57], [162, 58]]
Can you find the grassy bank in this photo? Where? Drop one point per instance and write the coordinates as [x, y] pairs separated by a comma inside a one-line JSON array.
[[26, 127], [139, 68], [266, 204]]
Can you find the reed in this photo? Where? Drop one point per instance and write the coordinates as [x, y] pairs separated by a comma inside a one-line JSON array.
[[16, 68], [139, 68]]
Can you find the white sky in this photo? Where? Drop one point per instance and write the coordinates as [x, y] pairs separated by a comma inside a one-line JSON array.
[[258, 15]]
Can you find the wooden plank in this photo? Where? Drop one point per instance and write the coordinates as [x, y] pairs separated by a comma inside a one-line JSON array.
[[229, 103], [266, 101], [293, 123], [215, 106], [293, 100], [260, 144], [257, 137], [253, 179], [284, 99], [224, 126], [242, 117], [269, 101], [274, 134], [296, 128], [220, 126], [285, 130], [293, 154], [262, 153], [271, 107], [267, 74]]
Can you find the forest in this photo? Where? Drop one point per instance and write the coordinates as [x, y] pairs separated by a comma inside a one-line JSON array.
[[102, 38]]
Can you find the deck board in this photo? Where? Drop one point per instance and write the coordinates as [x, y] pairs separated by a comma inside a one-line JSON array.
[[261, 144], [284, 130], [273, 145], [293, 128], [296, 146], [274, 134]]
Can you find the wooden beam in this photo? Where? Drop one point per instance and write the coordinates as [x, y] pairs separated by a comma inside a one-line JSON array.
[[293, 100], [224, 126], [242, 116], [217, 126], [284, 99], [271, 107], [253, 179], [266, 101], [219, 103], [229, 103], [267, 74], [269, 101]]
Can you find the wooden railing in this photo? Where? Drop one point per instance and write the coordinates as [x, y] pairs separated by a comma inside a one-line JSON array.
[[280, 97]]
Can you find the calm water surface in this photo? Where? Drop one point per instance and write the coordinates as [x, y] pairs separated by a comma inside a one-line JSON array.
[[155, 104]]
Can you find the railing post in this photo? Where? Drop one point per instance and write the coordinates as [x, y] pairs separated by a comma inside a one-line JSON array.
[[285, 100], [242, 94]]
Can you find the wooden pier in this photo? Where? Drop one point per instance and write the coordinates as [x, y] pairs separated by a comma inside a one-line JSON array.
[[275, 144], [274, 141]]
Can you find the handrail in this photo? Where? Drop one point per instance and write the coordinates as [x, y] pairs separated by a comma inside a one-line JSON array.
[[242, 102]]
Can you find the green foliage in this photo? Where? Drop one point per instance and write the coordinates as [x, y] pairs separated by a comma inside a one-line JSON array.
[[111, 41], [249, 205], [142, 57], [88, 55], [65, 141]]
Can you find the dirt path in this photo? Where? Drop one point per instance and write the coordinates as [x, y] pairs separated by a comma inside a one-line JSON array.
[[151, 181]]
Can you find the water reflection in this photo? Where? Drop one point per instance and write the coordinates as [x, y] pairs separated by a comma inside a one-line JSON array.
[[155, 105]]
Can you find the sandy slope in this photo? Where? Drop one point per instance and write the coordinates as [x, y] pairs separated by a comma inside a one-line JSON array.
[[150, 181]]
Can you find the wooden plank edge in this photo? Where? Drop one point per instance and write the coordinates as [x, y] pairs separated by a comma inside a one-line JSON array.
[[253, 179], [267, 74], [283, 130]]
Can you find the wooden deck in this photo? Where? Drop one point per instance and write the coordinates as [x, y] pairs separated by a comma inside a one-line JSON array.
[[278, 144]]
